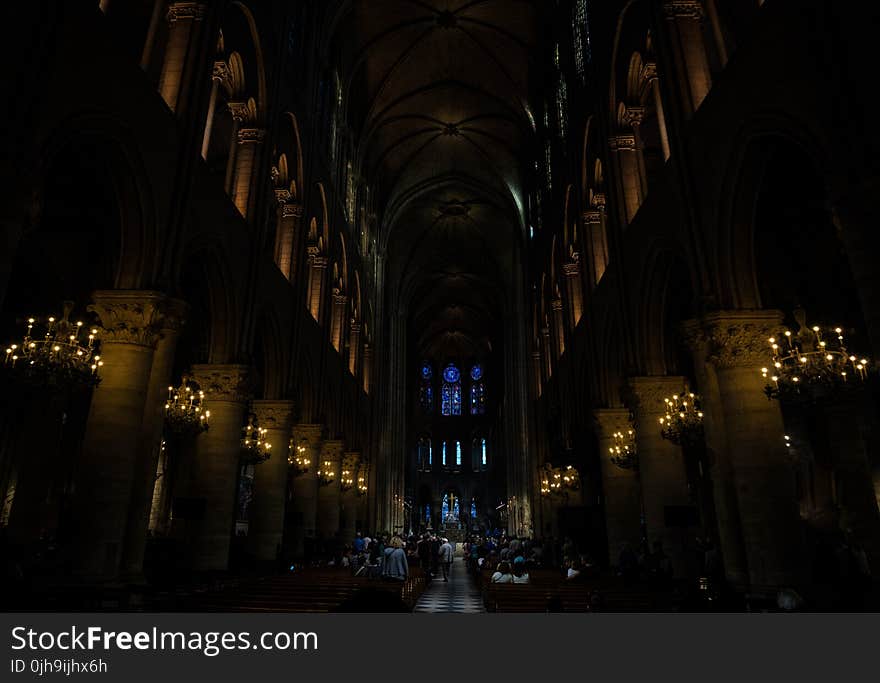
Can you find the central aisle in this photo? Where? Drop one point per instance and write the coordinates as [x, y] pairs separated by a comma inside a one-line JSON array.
[[458, 595]]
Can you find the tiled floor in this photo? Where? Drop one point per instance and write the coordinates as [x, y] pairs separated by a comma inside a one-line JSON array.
[[458, 595]]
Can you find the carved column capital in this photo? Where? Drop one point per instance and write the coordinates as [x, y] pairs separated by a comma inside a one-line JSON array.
[[649, 71], [332, 450], [735, 339], [220, 71], [230, 383], [239, 110], [251, 136], [683, 9], [622, 143], [634, 116], [129, 316], [310, 433], [340, 299], [319, 261], [646, 394], [611, 420], [592, 217], [273, 414], [556, 304], [291, 209], [282, 196], [182, 11], [571, 269]]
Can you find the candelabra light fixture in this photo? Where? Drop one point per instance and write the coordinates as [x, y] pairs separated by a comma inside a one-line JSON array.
[[811, 363], [346, 480], [326, 473], [185, 412], [683, 422], [623, 450], [556, 481], [362, 482], [298, 458], [254, 447], [56, 352]]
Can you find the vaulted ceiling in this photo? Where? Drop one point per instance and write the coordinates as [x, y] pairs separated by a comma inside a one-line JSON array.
[[438, 96]]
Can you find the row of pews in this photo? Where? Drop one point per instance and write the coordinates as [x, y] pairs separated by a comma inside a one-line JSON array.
[[314, 590], [548, 591]]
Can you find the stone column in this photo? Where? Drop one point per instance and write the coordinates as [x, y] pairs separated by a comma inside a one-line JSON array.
[[354, 346], [536, 372], [216, 463], [107, 467], [661, 464], [559, 327], [764, 478], [368, 367], [350, 502], [239, 111], [317, 269], [328, 494], [620, 487], [547, 352], [270, 481], [594, 229], [173, 313], [729, 530], [653, 79], [182, 19], [289, 221], [572, 271], [305, 486], [626, 154], [249, 141], [219, 74], [684, 20], [337, 320]]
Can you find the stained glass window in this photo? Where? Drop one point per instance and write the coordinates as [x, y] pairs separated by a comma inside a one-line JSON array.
[[478, 398], [581, 38], [444, 508], [428, 515], [458, 453], [443, 455], [474, 509], [426, 389], [350, 196], [484, 459], [450, 397], [427, 372], [424, 453], [477, 372], [562, 106]]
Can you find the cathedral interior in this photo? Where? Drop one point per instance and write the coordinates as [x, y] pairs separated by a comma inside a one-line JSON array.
[[591, 274]]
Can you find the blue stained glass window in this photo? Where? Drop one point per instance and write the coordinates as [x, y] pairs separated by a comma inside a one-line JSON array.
[[478, 398], [450, 395], [426, 397], [476, 372], [427, 372], [428, 515], [431, 454], [443, 455], [473, 509], [483, 448], [444, 510], [458, 453]]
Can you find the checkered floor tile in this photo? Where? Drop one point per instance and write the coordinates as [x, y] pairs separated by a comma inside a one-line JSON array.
[[457, 595]]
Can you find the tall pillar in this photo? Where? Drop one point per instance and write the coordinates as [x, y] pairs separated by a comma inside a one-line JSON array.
[[572, 272], [354, 346], [350, 500], [624, 150], [219, 74], [559, 327], [289, 221], [620, 487], [173, 313], [337, 320], [536, 372], [182, 19], [728, 528], [328, 494], [270, 481], [317, 269], [653, 79], [594, 229], [547, 352], [249, 141], [661, 464], [107, 468], [684, 19], [764, 479], [216, 463], [305, 486], [368, 367]]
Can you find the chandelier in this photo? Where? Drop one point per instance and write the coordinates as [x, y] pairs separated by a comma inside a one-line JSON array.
[[810, 363], [326, 473], [298, 458], [623, 450], [185, 412], [362, 482], [557, 481], [683, 422], [56, 352], [254, 447]]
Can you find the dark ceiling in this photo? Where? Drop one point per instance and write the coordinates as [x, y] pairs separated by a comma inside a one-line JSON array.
[[438, 93]]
